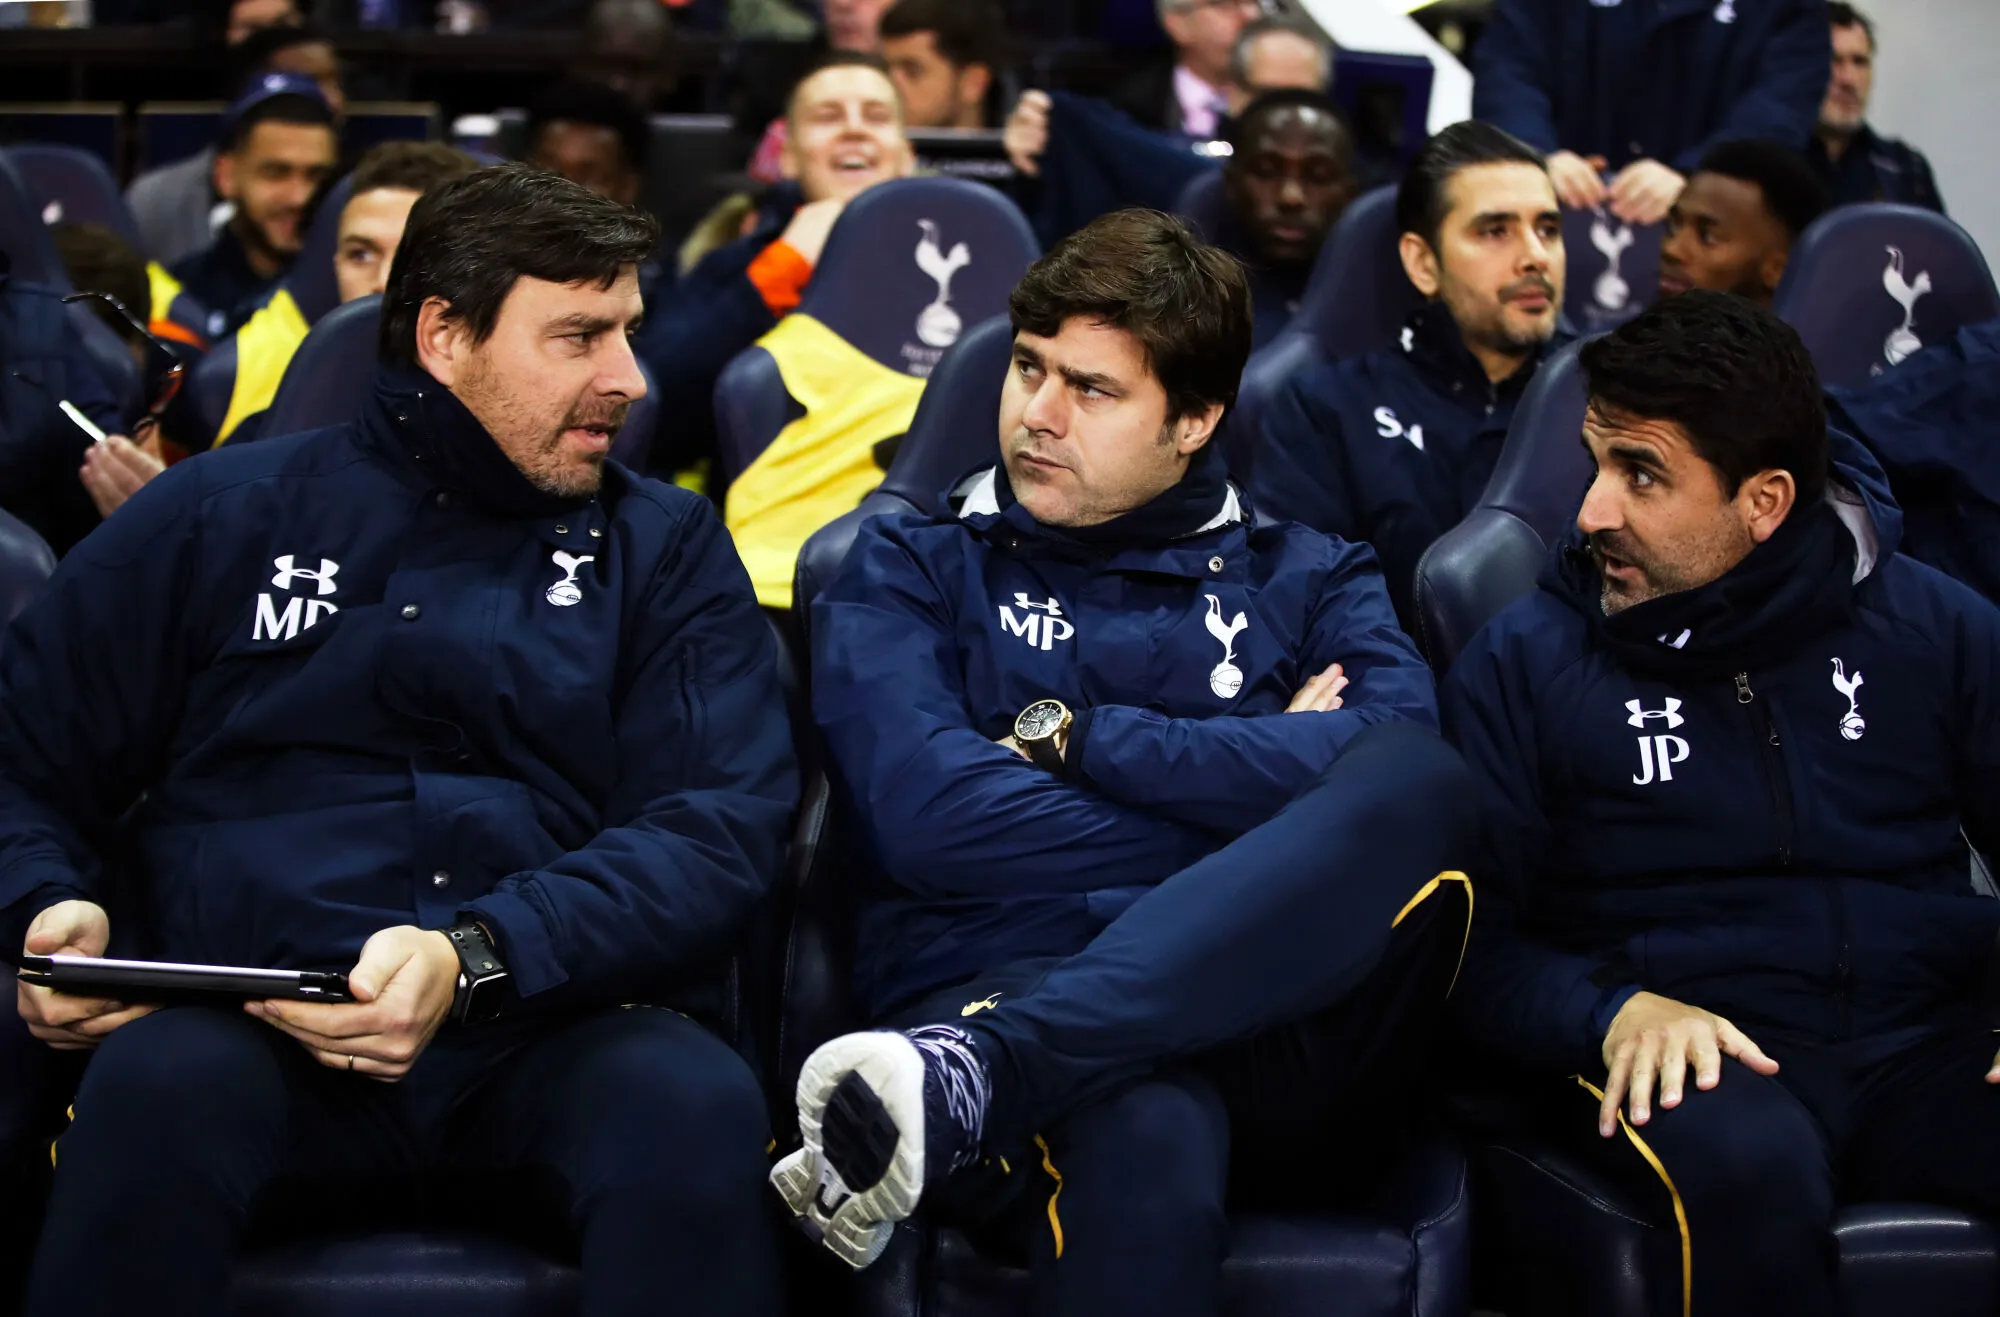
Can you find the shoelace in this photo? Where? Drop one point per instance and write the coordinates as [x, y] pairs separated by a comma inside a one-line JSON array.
[[962, 1075]]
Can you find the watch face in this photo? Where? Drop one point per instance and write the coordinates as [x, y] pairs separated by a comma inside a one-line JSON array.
[[1038, 720]]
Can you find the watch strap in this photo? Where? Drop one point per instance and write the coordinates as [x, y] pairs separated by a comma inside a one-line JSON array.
[[1044, 755], [479, 964]]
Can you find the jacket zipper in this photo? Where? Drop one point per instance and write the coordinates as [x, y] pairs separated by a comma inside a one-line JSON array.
[[1781, 799]]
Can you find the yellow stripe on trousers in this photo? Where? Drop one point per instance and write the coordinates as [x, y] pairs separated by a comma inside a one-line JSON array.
[[1680, 1209], [1424, 894], [1055, 1222]]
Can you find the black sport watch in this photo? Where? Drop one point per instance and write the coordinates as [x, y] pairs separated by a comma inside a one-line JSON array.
[[1041, 729], [482, 975]]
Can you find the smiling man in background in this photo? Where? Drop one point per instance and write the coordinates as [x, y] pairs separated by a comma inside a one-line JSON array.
[[1393, 448], [845, 135], [278, 147]]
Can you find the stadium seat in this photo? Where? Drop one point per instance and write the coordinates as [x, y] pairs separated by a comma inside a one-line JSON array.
[[1614, 269], [1355, 302], [1492, 558], [30, 256], [327, 381], [404, 1274], [74, 186], [1575, 1243], [1867, 286], [1204, 204], [1408, 1254], [890, 283]]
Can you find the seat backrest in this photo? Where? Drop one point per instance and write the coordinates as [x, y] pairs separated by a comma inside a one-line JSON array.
[[327, 378], [1355, 302], [175, 130], [1494, 556], [956, 428], [95, 127], [74, 186], [25, 563], [1205, 204], [311, 278], [1614, 269], [907, 266], [1868, 285]]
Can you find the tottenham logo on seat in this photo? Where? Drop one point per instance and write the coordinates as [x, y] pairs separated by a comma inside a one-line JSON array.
[[1657, 754], [1903, 340], [1040, 631], [300, 613], [937, 324], [1610, 292], [566, 591]]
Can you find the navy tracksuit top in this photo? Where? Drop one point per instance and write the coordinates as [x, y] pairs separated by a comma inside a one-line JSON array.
[[313, 687], [1764, 823], [1175, 635]]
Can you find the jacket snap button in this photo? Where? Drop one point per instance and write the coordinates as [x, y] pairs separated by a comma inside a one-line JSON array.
[[411, 612], [1215, 564], [442, 878], [562, 530], [596, 534]]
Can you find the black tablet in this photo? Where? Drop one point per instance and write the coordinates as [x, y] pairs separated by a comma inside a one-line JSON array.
[[148, 981]]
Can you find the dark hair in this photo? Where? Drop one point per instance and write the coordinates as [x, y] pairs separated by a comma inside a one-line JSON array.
[[412, 166], [966, 31], [251, 58], [1792, 193], [468, 241], [597, 105], [1842, 14], [1245, 126], [100, 261], [1731, 374], [1421, 203], [1259, 28], [290, 107], [1147, 273]]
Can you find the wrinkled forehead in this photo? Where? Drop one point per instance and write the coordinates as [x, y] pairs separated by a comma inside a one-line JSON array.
[[844, 85]]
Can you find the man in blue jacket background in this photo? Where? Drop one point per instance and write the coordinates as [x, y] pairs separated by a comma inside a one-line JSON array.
[[1395, 447], [1160, 820], [1644, 87], [442, 700], [1727, 751]]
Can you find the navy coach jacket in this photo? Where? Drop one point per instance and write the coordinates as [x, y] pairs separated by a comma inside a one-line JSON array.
[[1652, 79], [1175, 634], [369, 676], [1391, 449], [1764, 822]]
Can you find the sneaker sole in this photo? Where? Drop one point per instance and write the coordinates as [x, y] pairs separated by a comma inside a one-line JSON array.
[[864, 1095]]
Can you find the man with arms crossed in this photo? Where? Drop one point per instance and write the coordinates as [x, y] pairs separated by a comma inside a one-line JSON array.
[[1162, 827]]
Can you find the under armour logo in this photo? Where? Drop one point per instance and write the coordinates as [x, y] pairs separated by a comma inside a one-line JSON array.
[[1052, 608], [288, 573], [1672, 713], [1041, 632]]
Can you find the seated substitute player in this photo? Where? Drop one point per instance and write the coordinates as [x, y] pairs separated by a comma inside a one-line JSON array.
[[1162, 826], [1726, 751]]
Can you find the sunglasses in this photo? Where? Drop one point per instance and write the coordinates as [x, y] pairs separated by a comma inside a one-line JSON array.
[[169, 386]]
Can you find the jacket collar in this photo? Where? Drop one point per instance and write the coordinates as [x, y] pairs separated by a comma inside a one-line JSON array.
[[431, 437], [1173, 533], [1434, 346]]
